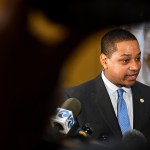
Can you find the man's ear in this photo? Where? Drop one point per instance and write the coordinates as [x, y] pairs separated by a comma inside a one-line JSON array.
[[103, 60]]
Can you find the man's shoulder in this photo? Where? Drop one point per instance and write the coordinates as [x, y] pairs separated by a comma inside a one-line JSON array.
[[141, 85], [83, 90], [84, 85]]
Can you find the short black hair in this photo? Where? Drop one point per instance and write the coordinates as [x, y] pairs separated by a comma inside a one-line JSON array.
[[109, 40]]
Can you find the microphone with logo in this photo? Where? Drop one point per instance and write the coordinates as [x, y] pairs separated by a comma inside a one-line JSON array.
[[64, 119]]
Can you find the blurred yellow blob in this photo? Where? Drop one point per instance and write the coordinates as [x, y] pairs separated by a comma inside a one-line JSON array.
[[45, 30]]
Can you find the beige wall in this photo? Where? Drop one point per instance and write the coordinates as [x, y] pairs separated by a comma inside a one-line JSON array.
[[84, 63]]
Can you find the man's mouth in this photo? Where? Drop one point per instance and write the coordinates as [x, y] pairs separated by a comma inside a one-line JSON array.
[[131, 77]]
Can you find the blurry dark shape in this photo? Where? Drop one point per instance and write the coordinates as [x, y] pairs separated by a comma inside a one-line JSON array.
[[134, 135], [83, 132], [87, 129], [94, 12], [134, 139], [31, 70]]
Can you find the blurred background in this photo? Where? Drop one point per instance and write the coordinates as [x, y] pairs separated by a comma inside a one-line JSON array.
[[83, 63]]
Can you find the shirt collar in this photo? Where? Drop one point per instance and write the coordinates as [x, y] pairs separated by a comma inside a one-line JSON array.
[[113, 88]]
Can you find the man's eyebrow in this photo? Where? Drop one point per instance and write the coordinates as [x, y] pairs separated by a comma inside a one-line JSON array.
[[126, 54]]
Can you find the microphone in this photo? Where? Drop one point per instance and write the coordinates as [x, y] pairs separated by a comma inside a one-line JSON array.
[[134, 139], [65, 116], [134, 135]]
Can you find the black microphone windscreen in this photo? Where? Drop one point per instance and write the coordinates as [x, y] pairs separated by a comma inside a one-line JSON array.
[[134, 139], [73, 105]]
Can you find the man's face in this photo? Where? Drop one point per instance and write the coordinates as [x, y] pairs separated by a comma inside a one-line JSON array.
[[123, 66]]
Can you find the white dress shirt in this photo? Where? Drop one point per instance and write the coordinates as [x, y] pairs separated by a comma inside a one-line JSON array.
[[127, 95]]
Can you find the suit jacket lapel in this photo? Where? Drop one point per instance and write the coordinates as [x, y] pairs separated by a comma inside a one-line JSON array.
[[138, 109], [105, 107]]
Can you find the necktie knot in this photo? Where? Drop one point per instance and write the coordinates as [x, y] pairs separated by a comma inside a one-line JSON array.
[[120, 92]]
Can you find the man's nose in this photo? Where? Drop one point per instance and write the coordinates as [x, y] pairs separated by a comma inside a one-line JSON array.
[[135, 65]]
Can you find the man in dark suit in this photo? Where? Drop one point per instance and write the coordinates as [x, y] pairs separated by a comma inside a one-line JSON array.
[[120, 58]]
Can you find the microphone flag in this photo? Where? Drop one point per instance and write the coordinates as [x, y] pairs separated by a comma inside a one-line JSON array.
[[64, 119]]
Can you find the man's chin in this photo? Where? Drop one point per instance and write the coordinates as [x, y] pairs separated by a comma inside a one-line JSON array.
[[130, 83]]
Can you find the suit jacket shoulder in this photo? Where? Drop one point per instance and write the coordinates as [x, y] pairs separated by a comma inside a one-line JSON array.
[[84, 89], [96, 108]]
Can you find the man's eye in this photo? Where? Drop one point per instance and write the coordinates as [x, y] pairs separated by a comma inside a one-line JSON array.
[[138, 58], [126, 61]]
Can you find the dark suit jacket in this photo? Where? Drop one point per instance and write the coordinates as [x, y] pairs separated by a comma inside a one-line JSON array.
[[97, 109]]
